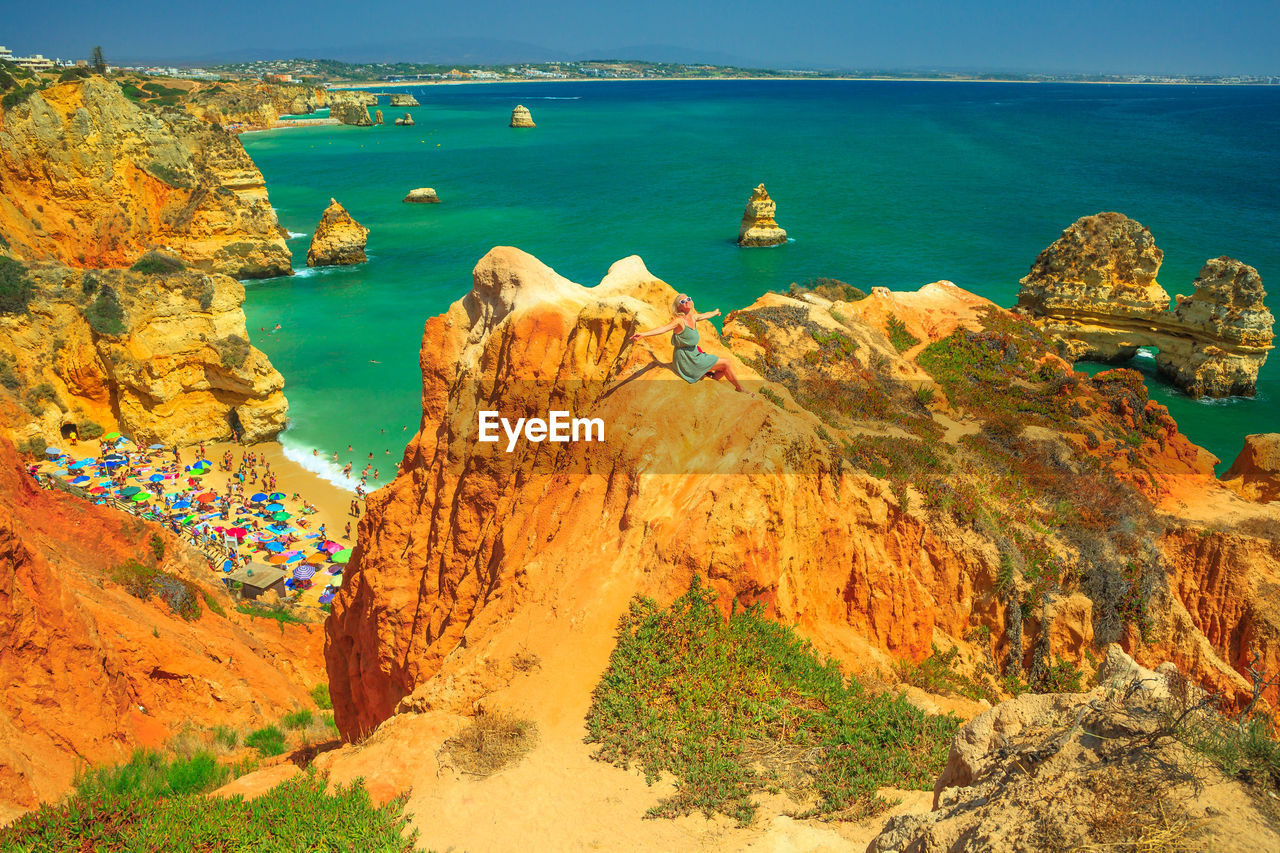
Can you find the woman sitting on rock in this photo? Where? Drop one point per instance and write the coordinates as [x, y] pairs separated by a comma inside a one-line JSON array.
[[689, 361]]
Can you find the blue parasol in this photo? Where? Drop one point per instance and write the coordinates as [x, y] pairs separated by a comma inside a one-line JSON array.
[[52, 451], [274, 507], [257, 497], [83, 478], [304, 572]]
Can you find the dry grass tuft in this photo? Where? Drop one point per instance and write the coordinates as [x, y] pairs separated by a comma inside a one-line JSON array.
[[493, 741]]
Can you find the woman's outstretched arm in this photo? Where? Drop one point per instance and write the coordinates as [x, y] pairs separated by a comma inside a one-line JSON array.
[[658, 331], [709, 315]]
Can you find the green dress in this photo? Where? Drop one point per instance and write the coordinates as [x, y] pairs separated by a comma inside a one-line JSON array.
[[689, 363]]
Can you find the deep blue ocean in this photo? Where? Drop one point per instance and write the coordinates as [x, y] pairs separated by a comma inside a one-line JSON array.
[[877, 183]]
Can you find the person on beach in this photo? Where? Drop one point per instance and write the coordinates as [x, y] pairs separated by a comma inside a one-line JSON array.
[[689, 361], [347, 535]]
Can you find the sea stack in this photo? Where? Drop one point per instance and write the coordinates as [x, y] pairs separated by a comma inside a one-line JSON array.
[[377, 117], [1095, 290], [338, 240], [405, 120], [758, 227], [399, 100], [422, 195], [520, 117]]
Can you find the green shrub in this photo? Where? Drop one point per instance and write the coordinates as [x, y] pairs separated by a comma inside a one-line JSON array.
[[15, 287], [158, 263], [157, 547], [149, 774], [299, 719], [171, 176], [212, 603], [17, 96], [226, 736], [142, 582], [9, 372], [89, 284], [320, 695], [234, 351], [73, 74], [901, 339], [938, 674], [297, 815], [105, 314], [91, 430], [730, 707], [828, 288], [280, 612], [268, 741]]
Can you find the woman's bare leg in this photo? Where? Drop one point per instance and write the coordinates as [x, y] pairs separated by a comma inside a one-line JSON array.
[[723, 369]]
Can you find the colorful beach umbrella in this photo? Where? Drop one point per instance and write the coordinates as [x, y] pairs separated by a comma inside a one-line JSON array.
[[111, 436], [257, 498], [342, 556], [304, 572], [274, 507], [97, 490], [182, 504], [129, 491], [280, 516], [330, 547], [236, 532], [140, 497], [276, 496], [326, 597], [83, 478], [155, 478], [277, 559], [206, 497], [52, 451]]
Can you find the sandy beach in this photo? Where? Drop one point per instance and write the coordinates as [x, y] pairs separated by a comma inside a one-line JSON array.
[[332, 503]]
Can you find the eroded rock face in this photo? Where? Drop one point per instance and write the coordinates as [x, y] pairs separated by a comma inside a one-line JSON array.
[[377, 117], [405, 120], [179, 370], [351, 113], [338, 239], [1068, 771], [758, 227], [90, 179], [422, 195], [1255, 474], [400, 99], [253, 105], [520, 117], [1095, 289], [89, 672]]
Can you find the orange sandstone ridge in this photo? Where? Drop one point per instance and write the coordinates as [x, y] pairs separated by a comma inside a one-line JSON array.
[[473, 555]]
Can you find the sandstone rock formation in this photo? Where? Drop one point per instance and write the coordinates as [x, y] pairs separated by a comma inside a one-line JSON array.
[[90, 179], [400, 99], [176, 367], [520, 117], [405, 120], [253, 105], [90, 672], [351, 113], [422, 195], [1255, 475], [1095, 289], [1075, 771], [758, 227], [454, 552], [377, 117], [338, 239]]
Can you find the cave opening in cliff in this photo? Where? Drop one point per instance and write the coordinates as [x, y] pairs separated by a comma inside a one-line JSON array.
[[233, 420], [69, 428]]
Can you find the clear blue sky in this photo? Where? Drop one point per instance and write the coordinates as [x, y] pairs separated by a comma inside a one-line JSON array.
[[1118, 36]]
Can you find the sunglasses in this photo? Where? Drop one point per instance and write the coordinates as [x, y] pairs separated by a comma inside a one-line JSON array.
[[683, 301]]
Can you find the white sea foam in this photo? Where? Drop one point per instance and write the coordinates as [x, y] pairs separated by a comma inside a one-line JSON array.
[[306, 272], [322, 466], [294, 235], [1145, 352]]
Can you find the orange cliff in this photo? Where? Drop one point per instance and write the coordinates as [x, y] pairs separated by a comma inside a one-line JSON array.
[[90, 672], [474, 555], [91, 179]]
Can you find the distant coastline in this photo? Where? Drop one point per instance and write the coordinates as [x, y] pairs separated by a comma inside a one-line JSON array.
[[403, 84]]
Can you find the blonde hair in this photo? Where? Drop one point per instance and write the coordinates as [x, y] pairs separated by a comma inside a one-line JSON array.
[[675, 304]]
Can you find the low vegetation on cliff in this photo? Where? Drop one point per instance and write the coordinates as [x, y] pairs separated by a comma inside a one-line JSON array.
[[733, 707]]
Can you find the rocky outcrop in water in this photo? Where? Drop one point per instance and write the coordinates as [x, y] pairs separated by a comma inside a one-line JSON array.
[[521, 117], [400, 99], [1255, 473], [377, 117], [159, 357], [758, 227], [405, 120], [422, 195], [338, 239], [1095, 289], [90, 179], [354, 114]]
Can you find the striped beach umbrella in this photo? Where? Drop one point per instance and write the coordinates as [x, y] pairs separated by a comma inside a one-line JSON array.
[[304, 572]]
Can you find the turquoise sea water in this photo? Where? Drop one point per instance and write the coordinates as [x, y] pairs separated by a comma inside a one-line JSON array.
[[878, 183]]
